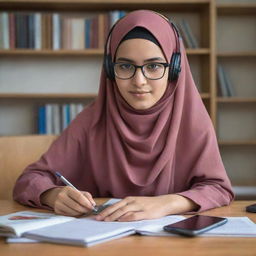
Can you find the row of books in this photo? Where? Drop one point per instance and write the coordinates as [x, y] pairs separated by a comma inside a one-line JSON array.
[[62, 31], [54, 30], [54, 118], [226, 88]]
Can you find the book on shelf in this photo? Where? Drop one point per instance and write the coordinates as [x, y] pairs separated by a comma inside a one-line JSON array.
[[49, 118], [41, 120], [4, 31], [54, 118], [37, 32], [226, 88], [86, 231], [187, 34], [55, 31]]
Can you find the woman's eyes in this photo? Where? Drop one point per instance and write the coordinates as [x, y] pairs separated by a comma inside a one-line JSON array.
[[153, 66], [149, 66], [126, 66]]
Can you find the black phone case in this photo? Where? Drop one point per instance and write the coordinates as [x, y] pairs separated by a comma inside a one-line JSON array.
[[251, 208], [191, 233]]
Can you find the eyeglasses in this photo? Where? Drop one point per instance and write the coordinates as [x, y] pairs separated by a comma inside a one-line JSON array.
[[152, 71]]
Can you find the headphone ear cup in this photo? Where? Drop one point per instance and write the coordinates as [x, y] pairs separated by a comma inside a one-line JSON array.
[[108, 66], [175, 67]]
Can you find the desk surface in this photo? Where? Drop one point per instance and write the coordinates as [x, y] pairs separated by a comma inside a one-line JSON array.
[[143, 245]]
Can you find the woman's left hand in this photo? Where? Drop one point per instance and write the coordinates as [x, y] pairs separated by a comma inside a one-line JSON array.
[[140, 208]]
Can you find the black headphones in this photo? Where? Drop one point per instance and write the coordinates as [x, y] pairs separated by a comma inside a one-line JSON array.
[[175, 63]]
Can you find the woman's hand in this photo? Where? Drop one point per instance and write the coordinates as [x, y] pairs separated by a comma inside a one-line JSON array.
[[140, 208], [68, 201]]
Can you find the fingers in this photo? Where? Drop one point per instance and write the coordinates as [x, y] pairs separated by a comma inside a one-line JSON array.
[[80, 198], [73, 202], [133, 216], [136, 208], [68, 202], [116, 211], [63, 209], [89, 197]]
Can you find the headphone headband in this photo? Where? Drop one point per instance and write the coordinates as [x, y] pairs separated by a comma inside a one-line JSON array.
[[175, 62]]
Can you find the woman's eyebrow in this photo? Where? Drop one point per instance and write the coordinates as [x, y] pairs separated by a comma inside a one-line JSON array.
[[155, 59], [147, 60], [125, 59]]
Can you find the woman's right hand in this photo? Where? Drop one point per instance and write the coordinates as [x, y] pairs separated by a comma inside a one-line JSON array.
[[68, 201]]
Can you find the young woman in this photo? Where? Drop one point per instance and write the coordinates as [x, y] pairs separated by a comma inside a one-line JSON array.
[[146, 139]]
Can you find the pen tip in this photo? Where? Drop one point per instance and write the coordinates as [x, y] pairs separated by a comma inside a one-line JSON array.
[[58, 174]]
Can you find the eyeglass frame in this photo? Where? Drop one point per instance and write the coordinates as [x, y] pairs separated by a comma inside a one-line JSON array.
[[141, 67]]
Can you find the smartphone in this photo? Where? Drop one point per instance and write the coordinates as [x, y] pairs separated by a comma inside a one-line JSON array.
[[195, 225], [251, 208]]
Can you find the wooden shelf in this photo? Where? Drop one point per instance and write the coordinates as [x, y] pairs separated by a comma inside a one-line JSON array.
[[200, 51], [103, 5], [85, 52], [236, 100], [30, 52], [237, 54], [47, 95], [237, 143], [236, 8]]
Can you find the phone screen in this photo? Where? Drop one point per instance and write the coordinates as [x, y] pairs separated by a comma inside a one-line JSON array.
[[195, 225]]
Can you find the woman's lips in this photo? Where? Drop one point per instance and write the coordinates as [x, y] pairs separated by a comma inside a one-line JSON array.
[[139, 94]]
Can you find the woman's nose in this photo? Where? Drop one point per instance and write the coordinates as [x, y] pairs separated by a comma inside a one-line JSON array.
[[139, 79]]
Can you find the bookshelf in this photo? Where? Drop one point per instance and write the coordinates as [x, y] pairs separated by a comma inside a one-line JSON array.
[[236, 115], [73, 75], [198, 12]]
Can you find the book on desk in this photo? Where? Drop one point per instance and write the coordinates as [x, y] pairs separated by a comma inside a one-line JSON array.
[[85, 231]]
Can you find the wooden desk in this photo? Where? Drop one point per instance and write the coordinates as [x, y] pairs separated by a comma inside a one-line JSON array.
[[142, 245]]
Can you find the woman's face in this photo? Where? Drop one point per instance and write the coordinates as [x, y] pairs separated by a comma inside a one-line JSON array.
[[138, 91]]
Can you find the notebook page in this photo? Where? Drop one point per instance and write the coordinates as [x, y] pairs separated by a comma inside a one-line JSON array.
[[86, 231], [82, 231], [155, 227], [236, 226], [15, 224]]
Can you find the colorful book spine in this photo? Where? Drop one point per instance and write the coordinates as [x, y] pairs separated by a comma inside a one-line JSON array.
[[41, 120], [87, 33], [229, 85], [31, 31], [77, 34], [38, 31], [4, 31], [12, 31], [226, 88], [222, 84], [56, 32]]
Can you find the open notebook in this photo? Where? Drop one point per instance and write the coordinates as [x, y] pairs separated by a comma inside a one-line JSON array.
[[87, 232]]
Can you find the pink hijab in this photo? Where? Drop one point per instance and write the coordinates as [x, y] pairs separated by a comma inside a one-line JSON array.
[[159, 150], [113, 150]]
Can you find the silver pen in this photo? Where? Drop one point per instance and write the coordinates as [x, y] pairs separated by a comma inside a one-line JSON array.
[[65, 181]]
